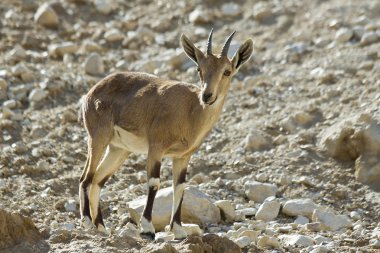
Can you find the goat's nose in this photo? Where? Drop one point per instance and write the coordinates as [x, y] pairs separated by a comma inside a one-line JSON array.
[[206, 97]]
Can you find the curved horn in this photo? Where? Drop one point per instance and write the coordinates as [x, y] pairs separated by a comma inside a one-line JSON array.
[[209, 43], [227, 45]]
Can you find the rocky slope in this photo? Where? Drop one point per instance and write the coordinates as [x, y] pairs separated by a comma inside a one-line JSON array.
[[292, 166]]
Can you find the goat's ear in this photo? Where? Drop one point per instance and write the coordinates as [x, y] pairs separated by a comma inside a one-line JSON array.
[[243, 54], [192, 51]]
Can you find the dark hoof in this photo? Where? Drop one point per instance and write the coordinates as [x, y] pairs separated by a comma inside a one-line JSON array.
[[148, 236]]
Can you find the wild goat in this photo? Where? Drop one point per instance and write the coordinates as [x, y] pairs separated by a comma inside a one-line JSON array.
[[141, 113]]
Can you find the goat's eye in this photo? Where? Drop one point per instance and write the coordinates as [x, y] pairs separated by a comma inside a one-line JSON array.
[[227, 73]]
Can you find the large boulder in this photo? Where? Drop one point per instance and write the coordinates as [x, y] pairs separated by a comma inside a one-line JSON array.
[[16, 229], [197, 208], [355, 139]]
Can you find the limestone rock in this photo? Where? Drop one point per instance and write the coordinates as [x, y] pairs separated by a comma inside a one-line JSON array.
[[94, 64], [369, 38], [37, 94], [231, 9], [113, 35], [344, 35], [63, 48], [297, 240], [268, 241], [243, 241], [261, 11], [330, 221], [226, 209], [46, 16], [103, 6], [199, 16], [295, 207], [258, 192], [268, 210], [257, 141], [196, 208]]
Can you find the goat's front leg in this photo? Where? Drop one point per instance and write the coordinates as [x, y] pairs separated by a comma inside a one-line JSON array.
[[179, 178], [153, 171]]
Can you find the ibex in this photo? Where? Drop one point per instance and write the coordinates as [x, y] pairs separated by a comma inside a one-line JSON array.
[[141, 113]]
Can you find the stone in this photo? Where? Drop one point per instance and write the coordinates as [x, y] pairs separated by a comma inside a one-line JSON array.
[[131, 230], [3, 84], [302, 220], [196, 208], [104, 6], [227, 210], [314, 227], [296, 240], [247, 212], [113, 35], [268, 242], [374, 243], [63, 48], [268, 210], [94, 64], [262, 11], [199, 16], [10, 104], [369, 38], [16, 229], [46, 16], [18, 53], [330, 221], [243, 241], [37, 94], [164, 236], [344, 35], [320, 249], [355, 215], [231, 9], [295, 207], [303, 119], [251, 234], [257, 141], [192, 229], [70, 206], [258, 192], [319, 239], [367, 169], [220, 244]]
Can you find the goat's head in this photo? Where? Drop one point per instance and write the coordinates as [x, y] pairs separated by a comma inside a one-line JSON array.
[[216, 71]]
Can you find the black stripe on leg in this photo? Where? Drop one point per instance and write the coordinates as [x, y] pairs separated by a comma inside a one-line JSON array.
[[86, 206], [177, 215], [149, 203]]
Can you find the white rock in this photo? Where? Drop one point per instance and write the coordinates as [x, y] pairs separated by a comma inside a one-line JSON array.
[[268, 241], [192, 229], [130, 230], [11, 104], [330, 221], [63, 48], [295, 207], [37, 94], [17, 53], [369, 38], [320, 249], [46, 16], [164, 236], [302, 220], [227, 210], [247, 212], [258, 192], [68, 226], [375, 243], [231, 9], [199, 16], [358, 31], [355, 215], [196, 208], [296, 240], [262, 11], [243, 241], [319, 239], [268, 210], [344, 35], [94, 64], [104, 6], [113, 35], [257, 141], [70, 206], [303, 118], [251, 234]]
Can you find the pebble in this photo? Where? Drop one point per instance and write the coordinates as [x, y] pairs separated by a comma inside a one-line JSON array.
[[231, 9], [296, 207], [314, 227], [258, 192], [17, 53], [3, 84], [358, 31], [320, 249], [268, 210], [113, 35], [296, 240], [104, 6], [257, 141], [369, 38], [63, 48], [319, 239], [355, 215], [261, 11], [10, 104], [192, 229], [94, 64], [330, 221], [199, 16], [37, 95], [46, 16], [375, 243], [247, 212], [344, 35], [268, 241], [243, 241], [227, 209], [68, 226], [251, 234], [302, 220]]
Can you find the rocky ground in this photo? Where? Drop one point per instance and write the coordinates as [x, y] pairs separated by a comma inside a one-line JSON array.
[[292, 166]]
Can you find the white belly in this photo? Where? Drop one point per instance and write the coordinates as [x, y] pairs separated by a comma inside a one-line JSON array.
[[129, 141]]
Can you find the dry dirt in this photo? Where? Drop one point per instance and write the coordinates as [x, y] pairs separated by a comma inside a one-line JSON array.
[[298, 68]]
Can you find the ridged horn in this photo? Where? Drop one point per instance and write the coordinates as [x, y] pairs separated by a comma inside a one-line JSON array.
[[227, 45], [209, 43]]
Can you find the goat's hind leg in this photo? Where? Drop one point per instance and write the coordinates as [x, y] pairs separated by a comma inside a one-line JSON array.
[[113, 159]]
